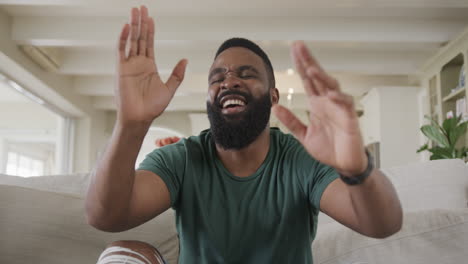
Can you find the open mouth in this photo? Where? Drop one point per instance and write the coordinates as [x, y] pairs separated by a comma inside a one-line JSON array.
[[233, 104]]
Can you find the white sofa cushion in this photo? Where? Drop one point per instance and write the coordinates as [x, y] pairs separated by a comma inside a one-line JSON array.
[[427, 185], [432, 184], [427, 237], [75, 184], [45, 227]]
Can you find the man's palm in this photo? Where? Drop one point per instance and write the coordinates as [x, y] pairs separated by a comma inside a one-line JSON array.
[[142, 95], [333, 136]]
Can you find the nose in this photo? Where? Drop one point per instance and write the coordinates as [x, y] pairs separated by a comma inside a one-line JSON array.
[[231, 82]]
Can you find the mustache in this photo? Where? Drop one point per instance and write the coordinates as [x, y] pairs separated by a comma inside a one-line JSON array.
[[247, 96]]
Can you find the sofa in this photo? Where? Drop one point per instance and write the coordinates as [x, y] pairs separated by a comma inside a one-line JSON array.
[[42, 221]]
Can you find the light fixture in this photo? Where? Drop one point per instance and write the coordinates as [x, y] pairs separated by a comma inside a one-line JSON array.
[[25, 92], [289, 97], [290, 71], [290, 90]]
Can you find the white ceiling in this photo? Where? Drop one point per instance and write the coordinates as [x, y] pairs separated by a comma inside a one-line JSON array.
[[364, 43]]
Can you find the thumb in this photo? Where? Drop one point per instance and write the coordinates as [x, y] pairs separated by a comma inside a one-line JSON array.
[[177, 75], [297, 128]]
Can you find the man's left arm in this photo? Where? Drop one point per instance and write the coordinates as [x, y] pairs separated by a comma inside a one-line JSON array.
[[333, 137], [371, 208]]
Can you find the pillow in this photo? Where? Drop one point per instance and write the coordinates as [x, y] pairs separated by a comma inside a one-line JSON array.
[[431, 184], [432, 236], [45, 227]]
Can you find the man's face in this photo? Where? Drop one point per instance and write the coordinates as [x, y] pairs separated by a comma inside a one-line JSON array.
[[239, 100]]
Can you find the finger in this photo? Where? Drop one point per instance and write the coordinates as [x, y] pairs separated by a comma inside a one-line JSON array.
[[150, 48], [305, 57], [318, 83], [143, 32], [177, 75], [123, 41], [328, 81], [134, 32], [299, 67], [341, 98], [310, 65], [309, 86], [158, 142], [297, 128]]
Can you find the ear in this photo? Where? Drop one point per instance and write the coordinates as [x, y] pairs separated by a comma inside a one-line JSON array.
[[274, 95]]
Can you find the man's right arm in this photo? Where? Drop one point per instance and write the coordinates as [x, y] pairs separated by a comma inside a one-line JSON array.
[[120, 198]]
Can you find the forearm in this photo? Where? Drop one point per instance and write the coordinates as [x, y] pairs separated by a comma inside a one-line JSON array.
[[111, 184], [376, 205]]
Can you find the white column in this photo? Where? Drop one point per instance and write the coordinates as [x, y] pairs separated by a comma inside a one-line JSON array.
[[64, 145]]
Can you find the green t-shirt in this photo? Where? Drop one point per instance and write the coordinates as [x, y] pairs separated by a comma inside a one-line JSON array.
[[268, 217]]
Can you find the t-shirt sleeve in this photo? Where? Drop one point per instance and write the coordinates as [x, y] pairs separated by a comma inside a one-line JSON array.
[[314, 176], [169, 163]]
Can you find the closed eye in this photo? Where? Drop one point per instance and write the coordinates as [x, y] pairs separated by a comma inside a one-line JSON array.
[[216, 81]]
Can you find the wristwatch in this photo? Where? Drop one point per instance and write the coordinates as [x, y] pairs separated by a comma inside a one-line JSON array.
[[358, 179]]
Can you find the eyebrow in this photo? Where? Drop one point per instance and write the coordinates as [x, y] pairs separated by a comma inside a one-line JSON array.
[[240, 69]]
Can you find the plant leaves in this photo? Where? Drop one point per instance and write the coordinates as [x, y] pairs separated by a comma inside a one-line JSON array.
[[435, 157], [449, 125], [436, 124], [457, 132], [423, 147], [446, 137], [446, 153], [436, 135]]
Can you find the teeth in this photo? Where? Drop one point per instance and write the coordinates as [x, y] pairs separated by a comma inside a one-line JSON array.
[[233, 102]]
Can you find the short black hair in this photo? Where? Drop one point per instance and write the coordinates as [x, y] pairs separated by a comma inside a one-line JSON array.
[[250, 45]]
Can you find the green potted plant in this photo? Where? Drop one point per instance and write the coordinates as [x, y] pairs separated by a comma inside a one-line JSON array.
[[445, 138]]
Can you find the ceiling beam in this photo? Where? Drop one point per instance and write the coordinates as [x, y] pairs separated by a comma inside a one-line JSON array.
[[103, 31], [197, 84], [197, 103], [42, 2], [102, 62], [51, 88], [337, 8]]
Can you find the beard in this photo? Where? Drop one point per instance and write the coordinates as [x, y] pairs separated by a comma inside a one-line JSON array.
[[236, 131]]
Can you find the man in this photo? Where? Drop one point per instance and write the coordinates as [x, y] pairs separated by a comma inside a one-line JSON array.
[[243, 192]]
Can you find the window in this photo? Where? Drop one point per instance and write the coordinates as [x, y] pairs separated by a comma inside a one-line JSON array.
[[35, 137], [22, 165]]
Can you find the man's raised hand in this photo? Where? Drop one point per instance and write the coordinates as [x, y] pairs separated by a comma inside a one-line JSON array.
[[333, 135], [141, 95]]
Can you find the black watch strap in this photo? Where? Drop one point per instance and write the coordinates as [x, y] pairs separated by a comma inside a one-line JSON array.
[[358, 179]]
